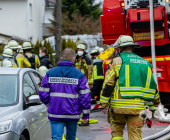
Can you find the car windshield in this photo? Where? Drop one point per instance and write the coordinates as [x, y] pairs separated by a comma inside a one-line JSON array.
[[8, 90]]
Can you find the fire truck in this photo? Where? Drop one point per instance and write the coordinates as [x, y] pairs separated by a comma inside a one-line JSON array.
[[132, 17]]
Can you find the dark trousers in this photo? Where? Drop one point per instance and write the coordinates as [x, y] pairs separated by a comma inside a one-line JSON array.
[[97, 87]]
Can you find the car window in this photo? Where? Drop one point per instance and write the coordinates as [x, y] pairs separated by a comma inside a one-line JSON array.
[[8, 90], [36, 78], [28, 88]]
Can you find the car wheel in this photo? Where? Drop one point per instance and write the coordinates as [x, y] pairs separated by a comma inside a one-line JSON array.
[[22, 137]]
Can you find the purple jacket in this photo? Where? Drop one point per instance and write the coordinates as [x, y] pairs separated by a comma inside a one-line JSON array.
[[66, 91]]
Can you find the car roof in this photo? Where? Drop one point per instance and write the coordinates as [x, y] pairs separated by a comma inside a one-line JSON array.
[[5, 70]]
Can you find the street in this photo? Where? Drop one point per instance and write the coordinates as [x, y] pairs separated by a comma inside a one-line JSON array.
[[102, 131]]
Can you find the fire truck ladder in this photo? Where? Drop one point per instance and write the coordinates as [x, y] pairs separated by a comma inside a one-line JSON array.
[[142, 3]]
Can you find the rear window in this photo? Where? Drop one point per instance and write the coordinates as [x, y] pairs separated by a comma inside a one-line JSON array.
[[8, 90]]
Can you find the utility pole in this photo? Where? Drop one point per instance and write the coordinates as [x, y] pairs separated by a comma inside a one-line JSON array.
[[152, 40], [58, 31]]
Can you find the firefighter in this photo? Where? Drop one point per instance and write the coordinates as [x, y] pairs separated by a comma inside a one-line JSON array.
[[8, 53], [128, 85], [8, 63], [32, 58], [83, 62], [97, 76], [101, 50], [43, 70], [85, 65], [19, 59]]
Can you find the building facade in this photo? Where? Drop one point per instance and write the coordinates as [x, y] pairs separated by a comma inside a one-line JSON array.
[[21, 20]]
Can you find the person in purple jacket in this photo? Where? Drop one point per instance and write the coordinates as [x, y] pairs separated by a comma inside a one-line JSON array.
[[65, 91]]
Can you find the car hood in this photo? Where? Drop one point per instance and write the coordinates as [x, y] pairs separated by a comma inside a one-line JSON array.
[[7, 113]]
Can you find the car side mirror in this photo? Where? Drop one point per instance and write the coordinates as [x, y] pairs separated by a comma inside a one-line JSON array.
[[34, 99]]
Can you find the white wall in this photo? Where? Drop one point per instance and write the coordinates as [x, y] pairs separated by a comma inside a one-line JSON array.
[[15, 20], [48, 14]]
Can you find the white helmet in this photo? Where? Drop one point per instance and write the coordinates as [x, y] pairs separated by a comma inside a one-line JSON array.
[[13, 45], [81, 46], [101, 50], [94, 52], [7, 63], [6, 46], [8, 52], [26, 45], [42, 70], [97, 48]]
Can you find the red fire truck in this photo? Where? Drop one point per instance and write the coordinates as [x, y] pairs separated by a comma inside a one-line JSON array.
[[132, 17]]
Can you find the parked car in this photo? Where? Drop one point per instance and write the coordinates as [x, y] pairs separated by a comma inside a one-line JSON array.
[[22, 114]]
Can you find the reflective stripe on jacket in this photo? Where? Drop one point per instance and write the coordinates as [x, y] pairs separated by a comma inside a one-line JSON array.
[[85, 65], [111, 93], [98, 69], [66, 91], [22, 61], [136, 79]]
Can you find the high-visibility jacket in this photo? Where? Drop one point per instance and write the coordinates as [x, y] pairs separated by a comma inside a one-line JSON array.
[[22, 61], [98, 69], [111, 92], [85, 65], [36, 63], [135, 77]]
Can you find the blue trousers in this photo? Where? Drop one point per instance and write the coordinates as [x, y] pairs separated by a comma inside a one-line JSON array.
[[57, 130]]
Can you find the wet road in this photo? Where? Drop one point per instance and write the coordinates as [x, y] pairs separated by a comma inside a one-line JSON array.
[[102, 131]]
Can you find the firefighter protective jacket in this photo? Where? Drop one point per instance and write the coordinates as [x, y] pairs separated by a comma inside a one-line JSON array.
[[22, 61], [85, 65], [98, 69], [133, 103]]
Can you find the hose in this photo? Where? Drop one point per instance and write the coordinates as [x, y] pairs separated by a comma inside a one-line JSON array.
[[91, 121], [159, 134], [165, 138]]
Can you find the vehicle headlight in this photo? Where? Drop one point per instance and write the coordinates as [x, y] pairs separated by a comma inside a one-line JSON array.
[[5, 126]]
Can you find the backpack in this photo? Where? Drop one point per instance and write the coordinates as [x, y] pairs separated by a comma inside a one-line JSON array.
[[31, 60]]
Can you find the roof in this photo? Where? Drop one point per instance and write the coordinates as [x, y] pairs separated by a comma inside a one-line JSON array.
[[4, 70]]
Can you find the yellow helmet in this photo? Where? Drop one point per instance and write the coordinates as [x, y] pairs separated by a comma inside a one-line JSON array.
[[81, 42], [26, 45], [81, 46], [42, 70], [13, 45], [125, 41], [8, 52]]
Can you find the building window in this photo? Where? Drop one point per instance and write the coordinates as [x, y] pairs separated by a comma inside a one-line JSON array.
[[30, 11]]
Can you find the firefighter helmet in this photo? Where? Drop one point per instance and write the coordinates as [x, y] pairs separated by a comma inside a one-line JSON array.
[[81, 46], [8, 52], [94, 52], [13, 45], [6, 46], [26, 45], [81, 42], [101, 50], [7, 63], [125, 41], [42, 70], [97, 48]]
